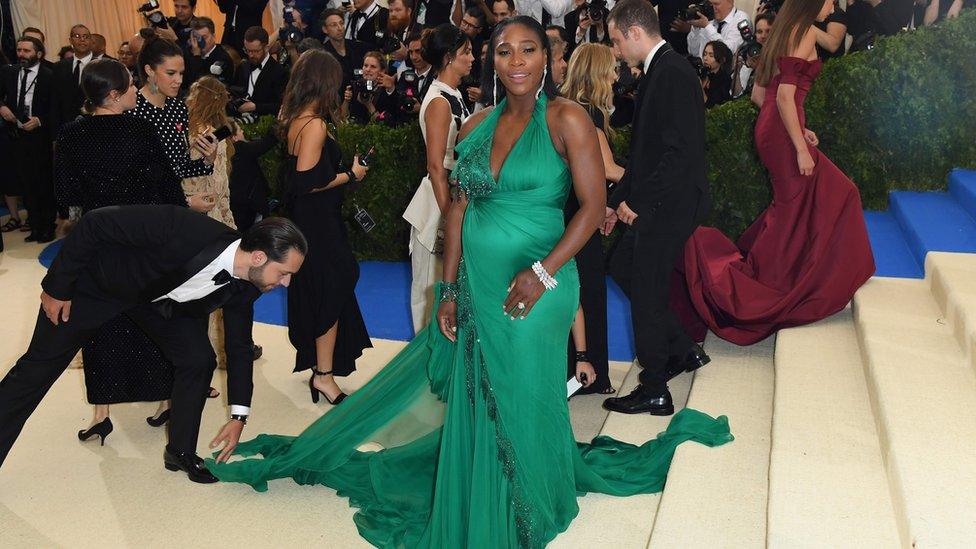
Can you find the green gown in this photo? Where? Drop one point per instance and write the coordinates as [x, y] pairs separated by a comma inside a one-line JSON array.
[[478, 447]]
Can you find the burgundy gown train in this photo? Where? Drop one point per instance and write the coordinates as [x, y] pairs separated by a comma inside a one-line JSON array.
[[803, 258]]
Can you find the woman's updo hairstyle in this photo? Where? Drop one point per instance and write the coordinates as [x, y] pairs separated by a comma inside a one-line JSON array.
[[100, 78], [444, 40], [154, 52]]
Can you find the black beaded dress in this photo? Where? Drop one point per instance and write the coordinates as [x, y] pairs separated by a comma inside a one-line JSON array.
[[108, 161], [322, 292]]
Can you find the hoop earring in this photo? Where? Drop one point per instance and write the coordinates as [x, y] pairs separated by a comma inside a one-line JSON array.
[[494, 91], [542, 85]]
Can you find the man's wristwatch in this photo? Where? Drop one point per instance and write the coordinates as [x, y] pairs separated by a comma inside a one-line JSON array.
[[239, 417]]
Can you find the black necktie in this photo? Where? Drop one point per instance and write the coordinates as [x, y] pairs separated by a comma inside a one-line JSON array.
[[77, 71], [22, 97], [222, 277], [353, 21], [720, 24]]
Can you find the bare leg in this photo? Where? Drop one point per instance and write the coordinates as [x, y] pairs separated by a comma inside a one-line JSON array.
[[163, 406], [101, 412], [324, 349], [12, 206]]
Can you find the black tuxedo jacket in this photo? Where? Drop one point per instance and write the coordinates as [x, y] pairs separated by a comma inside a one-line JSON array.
[[667, 146], [198, 67], [41, 101], [126, 256], [248, 186], [269, 86], [66, 95], [373, 31], [249, 14]]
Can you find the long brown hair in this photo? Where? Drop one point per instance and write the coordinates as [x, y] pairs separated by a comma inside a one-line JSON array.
[[792, 22], [315, 81], [206, 105], [588, 79]]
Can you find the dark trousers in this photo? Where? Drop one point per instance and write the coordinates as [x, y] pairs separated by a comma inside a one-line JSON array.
[[641, 266], [32, 166], [183, 340]]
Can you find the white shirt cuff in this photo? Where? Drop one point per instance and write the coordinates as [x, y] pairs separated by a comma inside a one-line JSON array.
[[238, 410]]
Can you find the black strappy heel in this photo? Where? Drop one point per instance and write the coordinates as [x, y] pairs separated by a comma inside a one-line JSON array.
[[315, 392]]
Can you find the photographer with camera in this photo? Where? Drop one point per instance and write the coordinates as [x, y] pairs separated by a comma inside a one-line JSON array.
[[368, 23], [180, 23], [207, 57], [711, 20], [372, 94], [413, 81], [349, 53], [831, 34], [717, 82], [260, 82], [290, 35], [748, 57], [25, 106], [587, 23], [399, 27]]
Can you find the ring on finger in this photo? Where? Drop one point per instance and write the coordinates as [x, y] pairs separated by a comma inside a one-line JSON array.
[[521, 306]]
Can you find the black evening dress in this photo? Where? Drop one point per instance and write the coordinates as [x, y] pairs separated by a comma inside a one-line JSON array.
[[593, 296], [129, 166], [322, 292]]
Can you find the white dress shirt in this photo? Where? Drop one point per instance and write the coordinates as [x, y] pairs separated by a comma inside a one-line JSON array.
[[698, 37], [202, 284], [31, 80], [647, 60], [533, 8], [255, 74], [84, 63]]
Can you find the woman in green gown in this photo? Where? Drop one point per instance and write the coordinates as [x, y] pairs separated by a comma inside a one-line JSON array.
[[478, 450]]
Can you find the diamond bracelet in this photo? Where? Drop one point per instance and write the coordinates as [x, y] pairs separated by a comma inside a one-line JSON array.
[[547, 280]]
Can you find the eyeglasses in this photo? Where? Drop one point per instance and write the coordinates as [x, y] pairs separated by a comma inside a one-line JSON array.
[[257, 51], [81, 36], [466, 23]]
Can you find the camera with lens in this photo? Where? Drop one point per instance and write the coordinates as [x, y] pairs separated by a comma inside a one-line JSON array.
[[411, 92], [699, 66], [690, 13], [595, 10], [362, 87], [750, 46], [290, 32], [391, 44], [150, 10]]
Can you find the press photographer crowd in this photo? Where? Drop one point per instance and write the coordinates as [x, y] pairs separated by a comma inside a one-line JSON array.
[[159, 118]]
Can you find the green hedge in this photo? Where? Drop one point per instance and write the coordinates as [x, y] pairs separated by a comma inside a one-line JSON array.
[[899, 116]]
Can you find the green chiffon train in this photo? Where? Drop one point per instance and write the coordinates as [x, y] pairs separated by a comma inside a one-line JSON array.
[[478, 450]]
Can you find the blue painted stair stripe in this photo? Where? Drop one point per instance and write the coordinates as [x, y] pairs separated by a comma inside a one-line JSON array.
[[892, 255], [962, 187], [933, 222]]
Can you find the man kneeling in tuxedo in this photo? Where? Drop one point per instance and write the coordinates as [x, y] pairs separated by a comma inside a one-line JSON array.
[[167, 268]]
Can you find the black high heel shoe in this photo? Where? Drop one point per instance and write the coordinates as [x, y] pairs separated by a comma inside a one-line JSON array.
[[315, 392], [100, 429], [160, 420]]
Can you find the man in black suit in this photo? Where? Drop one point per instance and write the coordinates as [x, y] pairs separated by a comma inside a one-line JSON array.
[[207, 57], [349, 53], [240, 16], [25, 106], [167, 268], [67, 97], [368, 23], [662, 196], [260, 80]]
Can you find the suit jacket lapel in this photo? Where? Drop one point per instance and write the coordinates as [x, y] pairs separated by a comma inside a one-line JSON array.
[[646, 80], [167, 283]]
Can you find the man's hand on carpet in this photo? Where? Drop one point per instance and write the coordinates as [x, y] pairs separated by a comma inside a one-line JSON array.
[[55, 309], [231, 434]]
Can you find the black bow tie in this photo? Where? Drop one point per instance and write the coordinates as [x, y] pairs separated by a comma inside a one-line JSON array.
[[222, 277]]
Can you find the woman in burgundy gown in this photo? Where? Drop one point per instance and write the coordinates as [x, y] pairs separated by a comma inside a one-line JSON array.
[[806, 255]]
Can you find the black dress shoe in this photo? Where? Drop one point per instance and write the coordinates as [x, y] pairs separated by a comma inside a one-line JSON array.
[[44, 238], [693, 360], [640, 401], [189, 463], [258, 351]]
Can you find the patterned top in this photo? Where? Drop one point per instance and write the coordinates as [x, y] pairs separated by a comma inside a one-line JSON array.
[[459, 113], [171, 123], [218, 183]]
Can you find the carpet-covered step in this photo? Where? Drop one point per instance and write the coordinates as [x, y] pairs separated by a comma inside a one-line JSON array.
[[892, 255], [923, 392], [716, 497], [933, 222], [962, 187], [827, 481], [953, 283], [625, 523]]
